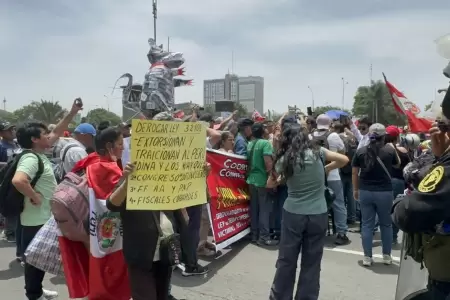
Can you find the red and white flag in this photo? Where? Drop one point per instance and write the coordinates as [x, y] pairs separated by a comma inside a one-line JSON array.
[[257, 117], [416, 120], [101, 272]]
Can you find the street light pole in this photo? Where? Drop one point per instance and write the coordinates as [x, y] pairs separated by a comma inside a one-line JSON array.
[[343, 91], [312, 97], [155, 16], [107, 101]]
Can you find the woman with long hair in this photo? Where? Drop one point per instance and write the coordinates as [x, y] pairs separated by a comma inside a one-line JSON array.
[[398, 181], [301, 164], [372, 167]]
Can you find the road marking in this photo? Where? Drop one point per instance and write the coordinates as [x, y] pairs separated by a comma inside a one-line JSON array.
[[394, 258]]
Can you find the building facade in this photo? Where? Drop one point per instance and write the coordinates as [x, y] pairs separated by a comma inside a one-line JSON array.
[[247, 91]]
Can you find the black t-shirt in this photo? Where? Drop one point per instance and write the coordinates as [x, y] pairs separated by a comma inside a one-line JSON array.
[[375, 178]]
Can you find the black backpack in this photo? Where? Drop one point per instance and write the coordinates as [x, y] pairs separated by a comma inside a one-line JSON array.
[[12, 201], [350, 149], [322, 140]]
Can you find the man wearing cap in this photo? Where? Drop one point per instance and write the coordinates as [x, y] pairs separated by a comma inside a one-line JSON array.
[[75, 150], [334, 143], [126, 129], [243, 136], [8, 147]]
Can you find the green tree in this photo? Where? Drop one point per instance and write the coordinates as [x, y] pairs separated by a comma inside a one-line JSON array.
[[98, 115], [323, 109], [209, 109], [7, 116], [242, 110], [45, 111], [376, 103]]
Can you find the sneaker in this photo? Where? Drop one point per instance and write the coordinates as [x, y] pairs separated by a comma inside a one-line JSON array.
[[49, 294], [387, 259], [367, 261], [10, 239], [341, 239], [194, 271], [267, 243]]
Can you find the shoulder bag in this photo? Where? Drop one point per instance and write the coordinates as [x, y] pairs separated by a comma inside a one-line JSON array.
[[169, 246], [384, 167]]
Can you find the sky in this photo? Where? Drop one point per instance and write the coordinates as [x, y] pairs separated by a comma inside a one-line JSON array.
[[65, 49]]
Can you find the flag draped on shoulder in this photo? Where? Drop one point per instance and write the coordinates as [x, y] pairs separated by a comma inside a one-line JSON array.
[[416, 120], [100, 272]]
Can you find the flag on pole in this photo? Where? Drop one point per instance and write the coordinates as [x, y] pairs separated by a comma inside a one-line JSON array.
[[97, 271], [416, 120]]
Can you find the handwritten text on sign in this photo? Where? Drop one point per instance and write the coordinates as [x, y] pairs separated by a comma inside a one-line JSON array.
[[170, 159]]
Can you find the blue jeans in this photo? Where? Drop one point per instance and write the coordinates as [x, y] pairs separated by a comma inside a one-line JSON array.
[[278, 204], [347, 188], [10, 226], [376, 204], [398, 186], [339, 210]]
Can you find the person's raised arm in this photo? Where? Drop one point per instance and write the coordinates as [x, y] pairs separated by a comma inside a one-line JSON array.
[[227, 120], [337, 160], [116, 200], [62, 125]]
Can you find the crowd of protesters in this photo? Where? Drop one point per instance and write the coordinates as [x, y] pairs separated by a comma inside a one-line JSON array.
[[292, 164]]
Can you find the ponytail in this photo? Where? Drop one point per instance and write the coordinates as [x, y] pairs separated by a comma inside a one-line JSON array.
[[373, 149]]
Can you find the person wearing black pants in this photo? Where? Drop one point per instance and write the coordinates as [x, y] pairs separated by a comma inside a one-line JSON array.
[[33, 276], [195, 219]]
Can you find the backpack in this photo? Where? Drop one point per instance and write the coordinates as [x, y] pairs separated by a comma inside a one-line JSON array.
[[58, 168], [12, 201], [350, 149], [70, 207], [322, 140]]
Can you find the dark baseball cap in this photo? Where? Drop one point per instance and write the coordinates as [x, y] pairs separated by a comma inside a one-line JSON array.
[[244, 122], [6, 126]]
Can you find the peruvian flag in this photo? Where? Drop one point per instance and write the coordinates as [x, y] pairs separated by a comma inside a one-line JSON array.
[[100, 272], [416, 121], [256, 116]]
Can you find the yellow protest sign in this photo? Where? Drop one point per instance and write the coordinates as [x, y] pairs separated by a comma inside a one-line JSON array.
[[170, 159]]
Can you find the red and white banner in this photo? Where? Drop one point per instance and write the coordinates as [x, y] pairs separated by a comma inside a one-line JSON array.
[[417, 121], [229, 206]]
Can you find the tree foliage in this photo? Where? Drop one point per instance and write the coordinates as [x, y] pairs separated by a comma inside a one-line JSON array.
[[7, 116], [242, 110], [47, 112], [375, 102], [323, 109], [99, 115]]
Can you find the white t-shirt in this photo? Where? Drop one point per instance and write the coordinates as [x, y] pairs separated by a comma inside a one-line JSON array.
[[336, 144], [74, 154]]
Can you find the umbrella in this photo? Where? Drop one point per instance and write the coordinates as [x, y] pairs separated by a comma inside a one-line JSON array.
[[335, 114]]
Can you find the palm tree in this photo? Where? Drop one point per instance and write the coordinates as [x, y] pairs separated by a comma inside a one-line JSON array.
[[47, 111]]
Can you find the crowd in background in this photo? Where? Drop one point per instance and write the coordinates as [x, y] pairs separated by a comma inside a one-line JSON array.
[[295, 166]]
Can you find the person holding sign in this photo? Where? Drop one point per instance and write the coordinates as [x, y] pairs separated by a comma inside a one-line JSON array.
[[143, 232]]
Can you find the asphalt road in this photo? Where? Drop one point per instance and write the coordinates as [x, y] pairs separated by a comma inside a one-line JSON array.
[[245, 272]]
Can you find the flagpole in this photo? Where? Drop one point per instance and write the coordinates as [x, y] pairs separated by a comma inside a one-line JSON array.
[[155, 16]]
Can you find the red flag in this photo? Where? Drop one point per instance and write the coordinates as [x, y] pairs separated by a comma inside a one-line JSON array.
[[101, 272], [417, 122]]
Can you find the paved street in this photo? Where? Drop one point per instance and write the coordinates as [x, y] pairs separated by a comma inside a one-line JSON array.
[[245, 272]]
